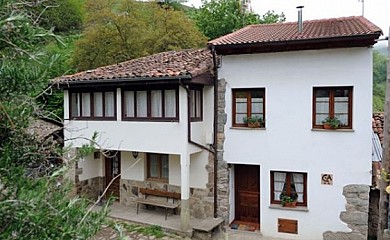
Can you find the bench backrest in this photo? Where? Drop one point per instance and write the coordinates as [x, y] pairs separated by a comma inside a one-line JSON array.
[[160, 193]]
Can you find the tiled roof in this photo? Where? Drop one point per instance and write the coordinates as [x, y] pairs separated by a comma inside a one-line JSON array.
[[191, 63], [313, 29]]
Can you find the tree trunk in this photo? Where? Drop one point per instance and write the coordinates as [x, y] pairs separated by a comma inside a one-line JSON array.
[[383, 200]]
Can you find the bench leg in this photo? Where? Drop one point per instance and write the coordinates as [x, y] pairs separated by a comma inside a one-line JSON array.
[[166, 213], [137, 207]]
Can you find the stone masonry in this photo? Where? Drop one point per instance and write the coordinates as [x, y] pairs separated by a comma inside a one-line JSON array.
[[222, 171], [201, 200], [356, 214]]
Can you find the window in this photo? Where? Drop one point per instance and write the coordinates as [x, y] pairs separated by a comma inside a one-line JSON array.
[[154, 104], [196, 109], [332, 102], [248, 103], [158, 167], [290, 184], [93, 105]]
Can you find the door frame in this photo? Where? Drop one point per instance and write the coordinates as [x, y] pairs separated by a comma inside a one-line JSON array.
[[108, 166], [236, 204]]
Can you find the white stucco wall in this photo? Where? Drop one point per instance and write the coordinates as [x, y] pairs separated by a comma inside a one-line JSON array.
[[91, 167], [133, 168], [289, 144]]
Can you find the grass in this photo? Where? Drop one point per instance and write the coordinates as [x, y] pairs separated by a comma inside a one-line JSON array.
[[153, 230]]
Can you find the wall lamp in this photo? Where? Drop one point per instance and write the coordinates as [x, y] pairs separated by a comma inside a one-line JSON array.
[[135, 154]]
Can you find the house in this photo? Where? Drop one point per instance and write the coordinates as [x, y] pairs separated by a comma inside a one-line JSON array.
[[154, 118], [293, 76], [178, 122]]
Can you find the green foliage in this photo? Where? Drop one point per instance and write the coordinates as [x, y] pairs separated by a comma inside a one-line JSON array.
[[62, 15], [120, 30], [334, 122], [153, 230], [220, 17], [35, 200], [379, 81]]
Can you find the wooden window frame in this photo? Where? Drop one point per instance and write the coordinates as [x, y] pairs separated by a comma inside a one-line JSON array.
[[331, 105], [249, 107], [195, 90], [92, 99], [160, 167], [149, 104], [288, 180]]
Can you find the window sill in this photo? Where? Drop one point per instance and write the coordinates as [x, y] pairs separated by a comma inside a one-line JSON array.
[[297, 208], [332, 130], [248, 128]]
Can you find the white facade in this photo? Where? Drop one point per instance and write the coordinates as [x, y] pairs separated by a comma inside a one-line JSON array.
[[288, 143]]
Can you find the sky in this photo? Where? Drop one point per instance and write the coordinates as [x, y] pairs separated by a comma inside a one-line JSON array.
[[377, 11]]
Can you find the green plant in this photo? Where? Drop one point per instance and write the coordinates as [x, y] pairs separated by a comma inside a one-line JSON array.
[[332, 122], [288, 198], [253, 120]]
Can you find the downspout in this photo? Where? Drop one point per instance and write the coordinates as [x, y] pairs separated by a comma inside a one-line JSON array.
[[215, 145], [189, 120]]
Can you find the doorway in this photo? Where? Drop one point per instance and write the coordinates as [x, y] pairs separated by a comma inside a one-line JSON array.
[[247, 194], [113, 169]]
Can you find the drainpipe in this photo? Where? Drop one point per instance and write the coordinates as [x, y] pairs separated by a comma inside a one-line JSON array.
[[214, 145], [215, 131]]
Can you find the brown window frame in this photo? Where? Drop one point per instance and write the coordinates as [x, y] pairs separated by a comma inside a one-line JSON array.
[[92, 99], [249, 108], [160, 167], [288, 184], [149, 104], [331, 105], [193, 115]]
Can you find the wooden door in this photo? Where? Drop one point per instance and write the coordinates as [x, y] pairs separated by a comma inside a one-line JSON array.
[[113, 169], [247, 193]]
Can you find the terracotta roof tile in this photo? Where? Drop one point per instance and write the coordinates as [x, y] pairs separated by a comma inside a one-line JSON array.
[[313, 29], [191, 62]]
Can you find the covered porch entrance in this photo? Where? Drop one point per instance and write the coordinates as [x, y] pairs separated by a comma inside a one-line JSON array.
[[247, 195]]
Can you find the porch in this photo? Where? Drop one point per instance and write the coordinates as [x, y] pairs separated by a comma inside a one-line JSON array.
[[200, 228]]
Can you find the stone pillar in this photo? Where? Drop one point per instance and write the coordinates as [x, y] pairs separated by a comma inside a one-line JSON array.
[[185, 192], [356, 214], [222, 171]]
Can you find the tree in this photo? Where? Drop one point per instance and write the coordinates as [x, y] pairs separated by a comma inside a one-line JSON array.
[[216, 18], [35, 199], [379, 81], [120, 30]]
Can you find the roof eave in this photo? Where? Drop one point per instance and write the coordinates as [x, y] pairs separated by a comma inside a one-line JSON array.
[[296, 45], [67, 84]]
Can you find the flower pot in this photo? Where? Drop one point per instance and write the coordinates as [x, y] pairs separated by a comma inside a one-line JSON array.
[[290, 204], [328, 126], [254, 125]]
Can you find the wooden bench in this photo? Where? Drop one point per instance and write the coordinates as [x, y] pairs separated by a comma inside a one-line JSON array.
[[158, 193]]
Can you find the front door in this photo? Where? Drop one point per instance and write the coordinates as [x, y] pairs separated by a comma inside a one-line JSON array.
[[113, 169], [247, 195]]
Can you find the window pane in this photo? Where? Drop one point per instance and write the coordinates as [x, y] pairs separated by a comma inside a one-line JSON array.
[[279, 182], [170, 103], [75, 104], [299, 185], [241, 109], [198, 103], [86, 104], [341, 106], [142, 104], [322, 105], [153, 166], [164, 166], [156, 103], [129, 104], [109, 107], [98, 104], [193, 103]]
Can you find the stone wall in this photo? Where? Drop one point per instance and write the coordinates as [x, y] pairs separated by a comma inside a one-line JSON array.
[[356, 214], [91, 188], [222, 171], [201, 200]]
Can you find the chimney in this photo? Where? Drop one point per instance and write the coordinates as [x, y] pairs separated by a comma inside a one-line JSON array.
[[300, 23]]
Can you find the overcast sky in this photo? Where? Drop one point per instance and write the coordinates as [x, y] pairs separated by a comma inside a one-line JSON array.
[[377, 11]]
